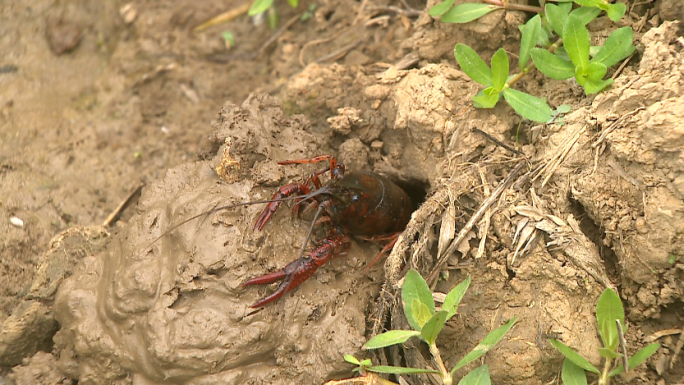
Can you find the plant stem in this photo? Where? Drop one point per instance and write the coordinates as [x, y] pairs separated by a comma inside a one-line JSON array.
[[531, 65], [604, 379], [446, 375], [517, 7]]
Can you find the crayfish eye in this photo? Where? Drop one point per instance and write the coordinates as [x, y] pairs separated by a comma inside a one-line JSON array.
[[355, 198]]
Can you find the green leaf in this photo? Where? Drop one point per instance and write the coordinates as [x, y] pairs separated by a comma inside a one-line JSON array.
[[485, 345], [486, 98], [454, 297], [576, 41], [590, 3], [616, 11], [421, 313], [561, 53], [272, 18], [433, 326], [473, 65], [608, 309], [416, 287], [573, 374], [564, 109], [500, 68], [351, 359], [637, 359], [607, 353], [392, 337], [567, 6], [293, 3], [467, 12], [528, 106], [595, 71], [530, 36], [543, 38], [552, 65], [573, 356], [585, 14], [618, 46], [593, 86], [477, 376], [441, 8], [259, 6], [556, 17], [399, 370]]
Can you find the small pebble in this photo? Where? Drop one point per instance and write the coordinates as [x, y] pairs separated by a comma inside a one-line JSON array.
[[16, 222]]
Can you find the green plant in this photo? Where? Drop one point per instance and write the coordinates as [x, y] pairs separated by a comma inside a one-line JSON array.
[[259, 6], [427, 323], [557, 41], [611, 320]]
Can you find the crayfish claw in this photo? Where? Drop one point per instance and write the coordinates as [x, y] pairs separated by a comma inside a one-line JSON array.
[[301, 269], [266, 278], [266, 214], [271, 208], [280, 291]]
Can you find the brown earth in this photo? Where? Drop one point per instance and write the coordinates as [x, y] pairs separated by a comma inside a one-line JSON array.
[[99, 97]]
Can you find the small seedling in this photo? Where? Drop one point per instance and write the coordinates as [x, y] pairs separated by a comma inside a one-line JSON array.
[[427, 323], [228, 39], [309, 13], [610, 316], [261, 6], [569, 56]]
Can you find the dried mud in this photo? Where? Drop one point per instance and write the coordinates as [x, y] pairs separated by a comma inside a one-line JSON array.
[[599, 203]]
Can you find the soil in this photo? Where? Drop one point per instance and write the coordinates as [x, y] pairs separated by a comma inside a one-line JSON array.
[[98, 98]]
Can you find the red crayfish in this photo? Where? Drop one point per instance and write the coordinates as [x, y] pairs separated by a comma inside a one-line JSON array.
[[360, 204], [356, 203]]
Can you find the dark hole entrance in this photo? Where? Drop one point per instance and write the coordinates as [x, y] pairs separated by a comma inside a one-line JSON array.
[[416, 190]]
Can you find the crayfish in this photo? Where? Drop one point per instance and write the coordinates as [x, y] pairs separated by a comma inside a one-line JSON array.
[[360, 204]]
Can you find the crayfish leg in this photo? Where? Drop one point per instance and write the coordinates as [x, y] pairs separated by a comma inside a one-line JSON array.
[[334, 166], [392, 238]]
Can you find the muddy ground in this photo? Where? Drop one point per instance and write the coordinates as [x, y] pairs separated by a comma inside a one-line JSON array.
[[98, 98]]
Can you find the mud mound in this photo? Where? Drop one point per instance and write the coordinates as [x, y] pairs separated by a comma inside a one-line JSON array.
[[175, 311]]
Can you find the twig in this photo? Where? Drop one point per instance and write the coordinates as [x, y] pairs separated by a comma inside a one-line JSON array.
[[340, 52], [160, 69], [275, 36], [500, 143], [623, 345], [224, 17], [316, 42], [359, 14], [509, 5], [609, 129], [561, 152], [677, 349], [111, 218], [410, 12], [661, 334], [441, 260], [622, 66]]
